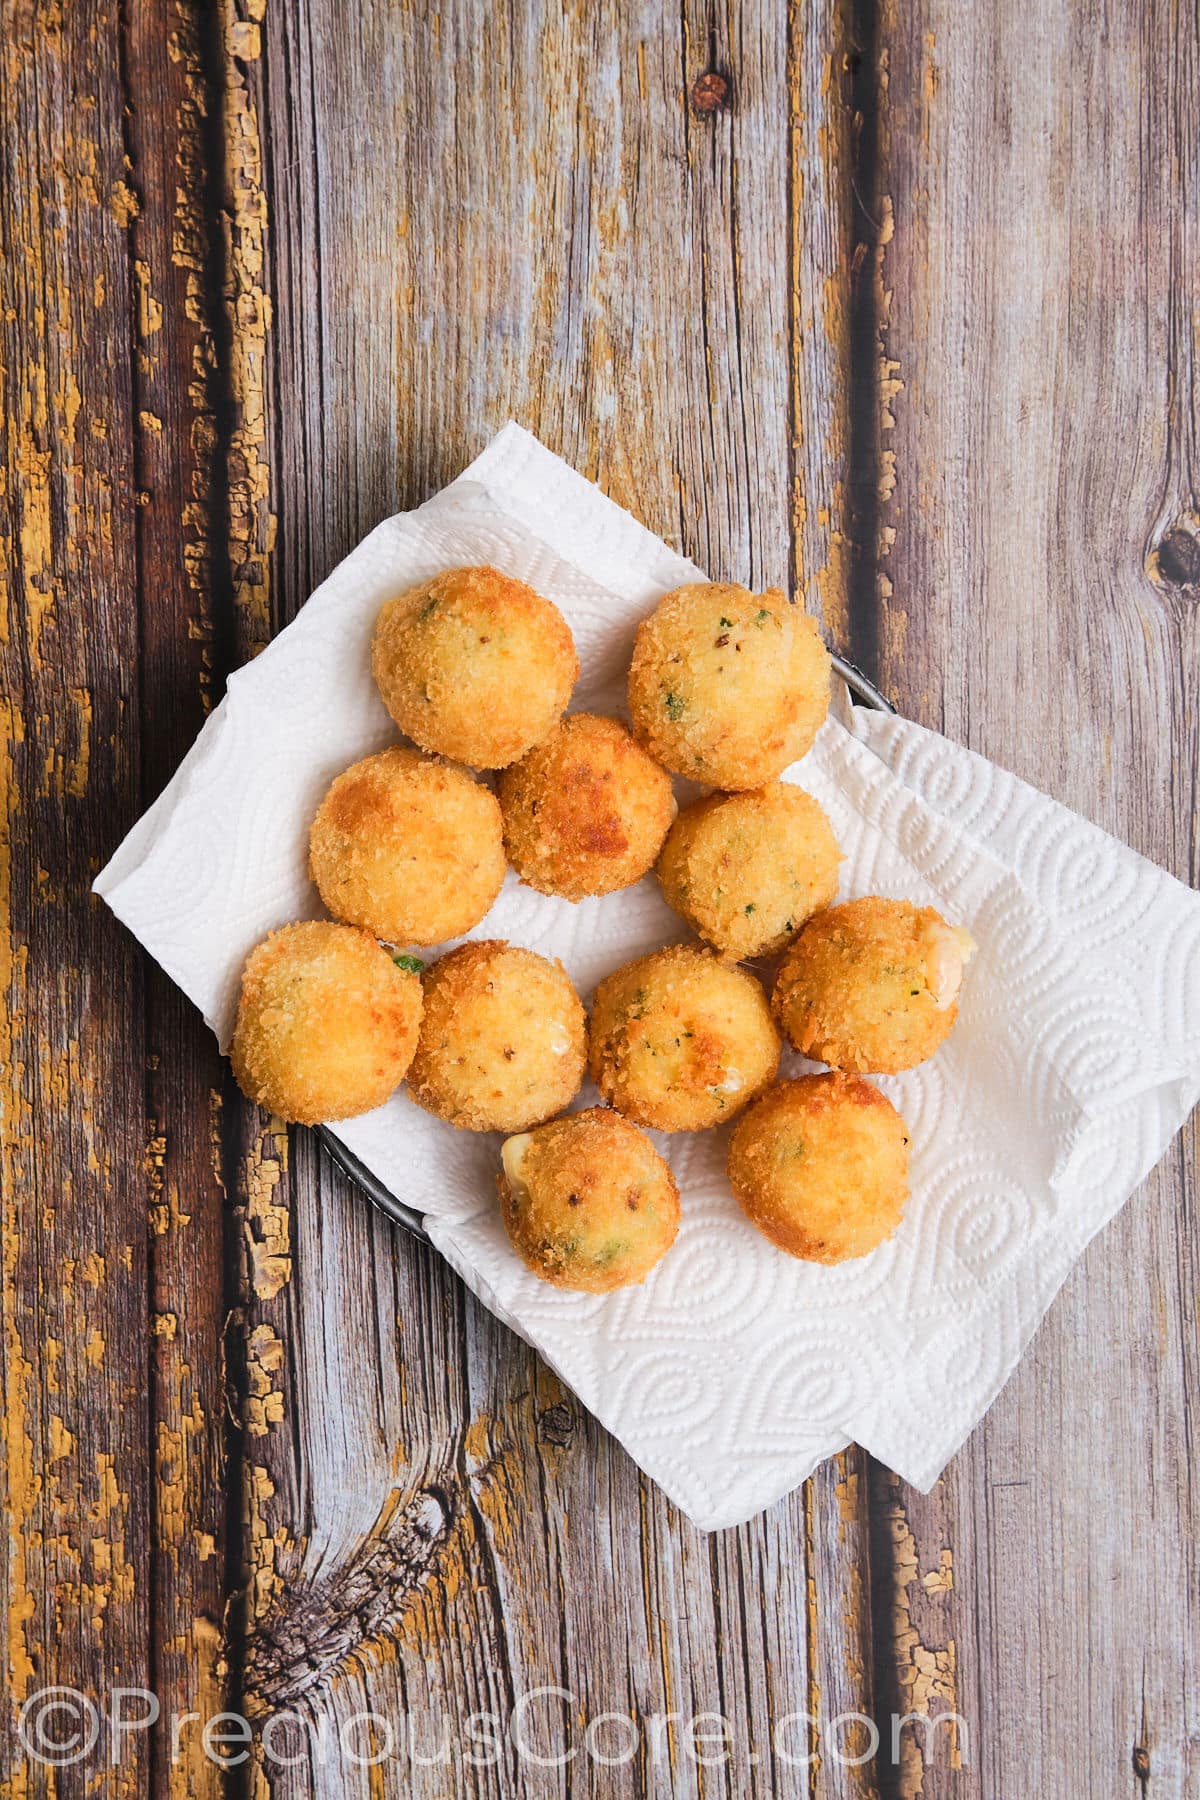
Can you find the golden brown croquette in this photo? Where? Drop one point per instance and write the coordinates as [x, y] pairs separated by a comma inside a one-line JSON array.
[[326, 1025], [588, 1202], [409, 848], [503, 1041], [746, 870], [474, 665], [680, 1041], [821, 1166], [872, 985], [586, 810], [727, 686]]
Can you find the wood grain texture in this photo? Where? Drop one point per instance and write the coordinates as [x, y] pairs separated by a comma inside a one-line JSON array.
[[113, 1299], [540, 226], [1037, 204], [77, 1480], [899, 310], [182, 659]]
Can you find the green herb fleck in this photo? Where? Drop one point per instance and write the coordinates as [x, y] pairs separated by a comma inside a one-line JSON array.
[[761, 617], [725, 621], [413, 964], [750, 907], [604, 1255], [429, 608], [676, 706]]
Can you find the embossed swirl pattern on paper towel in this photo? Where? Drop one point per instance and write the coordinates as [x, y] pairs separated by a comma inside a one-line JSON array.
[[734, 1370]]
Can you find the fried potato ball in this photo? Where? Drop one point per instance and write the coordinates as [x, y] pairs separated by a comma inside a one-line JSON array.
[[727, 686], [680, 1041], [326, 1025], [821, 1166], [410, 849], [746, 870], [586, 810], [474, 665], [503, 1040], [872, 985], [588, 1202]]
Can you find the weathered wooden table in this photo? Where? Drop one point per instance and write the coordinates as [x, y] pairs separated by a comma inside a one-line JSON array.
[[897, 305]]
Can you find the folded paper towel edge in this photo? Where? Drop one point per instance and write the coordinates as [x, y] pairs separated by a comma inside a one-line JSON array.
[[614, 534], [677, 1484]]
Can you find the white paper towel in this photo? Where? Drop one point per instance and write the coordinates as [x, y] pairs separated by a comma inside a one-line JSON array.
[[734, 1370]]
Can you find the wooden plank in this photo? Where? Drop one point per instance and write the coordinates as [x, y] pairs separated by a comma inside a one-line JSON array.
[[540, 224], [548, 218], [75, 1581], [183, 646], [1037, 301]]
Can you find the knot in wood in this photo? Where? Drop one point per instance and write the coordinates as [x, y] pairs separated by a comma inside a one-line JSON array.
[[710, 93], [1179, 560], [430, 1514], [557, 1425]]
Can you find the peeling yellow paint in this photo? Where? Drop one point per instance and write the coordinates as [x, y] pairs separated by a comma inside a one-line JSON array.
[[77, 766], [264, 1361], [171, 1457], [62, 1442], [267, 1225], [941, 1579], [251, 523], [149, 310], [926, 1673], [124, 203]]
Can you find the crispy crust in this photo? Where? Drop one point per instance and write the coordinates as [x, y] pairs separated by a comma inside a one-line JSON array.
[[596, 1206], [474, 665], [855, 990], [326, 1025], [727, 686], [408, 848], [503, 1039], [680, 1041], [586, 810], [820, 1165], [746, 870]]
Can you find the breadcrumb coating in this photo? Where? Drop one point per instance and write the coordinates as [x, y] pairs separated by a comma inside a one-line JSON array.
[[409, 848], [588, 1202], [820, 1165], [586, 810], [327, 1023], [872, 985], [746, 870], [474, 665], [503, 1041], [727, 686], [680, 1041]]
